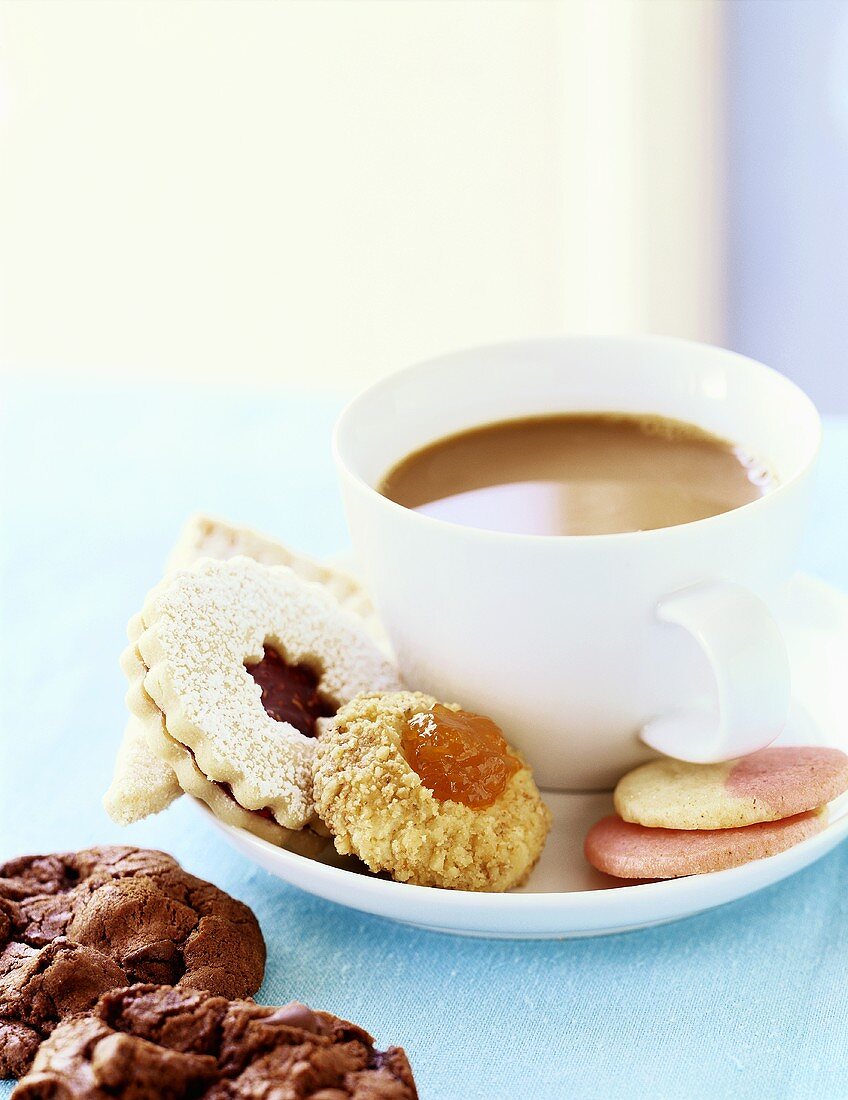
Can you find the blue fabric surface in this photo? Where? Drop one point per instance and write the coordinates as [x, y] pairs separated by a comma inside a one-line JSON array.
[[747, 1001]]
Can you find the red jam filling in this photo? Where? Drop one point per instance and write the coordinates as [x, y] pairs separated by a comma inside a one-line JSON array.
[[290, 692]]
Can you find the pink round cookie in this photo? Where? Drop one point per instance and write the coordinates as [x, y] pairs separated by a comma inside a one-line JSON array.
[[630, 851], [766, 786]]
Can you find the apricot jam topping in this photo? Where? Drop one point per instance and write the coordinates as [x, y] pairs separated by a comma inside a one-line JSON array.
[[459, 755]]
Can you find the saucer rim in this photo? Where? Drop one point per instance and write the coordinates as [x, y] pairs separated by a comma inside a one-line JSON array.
[[528, 914]]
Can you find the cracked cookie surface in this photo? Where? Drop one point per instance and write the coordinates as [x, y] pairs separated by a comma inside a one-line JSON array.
[[76, 924], [377, 807], [149, 1042]]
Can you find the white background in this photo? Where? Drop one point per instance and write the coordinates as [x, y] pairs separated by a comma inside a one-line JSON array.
[[316, 193]]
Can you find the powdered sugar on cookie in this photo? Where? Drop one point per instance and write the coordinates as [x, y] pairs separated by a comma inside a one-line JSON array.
[[151, 769], [207, 537], [203, 626]]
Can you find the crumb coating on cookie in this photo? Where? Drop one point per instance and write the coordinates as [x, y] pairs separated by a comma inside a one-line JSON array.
[[378, 809]]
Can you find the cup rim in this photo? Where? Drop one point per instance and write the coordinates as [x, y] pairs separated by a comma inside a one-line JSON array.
[[641, 340]]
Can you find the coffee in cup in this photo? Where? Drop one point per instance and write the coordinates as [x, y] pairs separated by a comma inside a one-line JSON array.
[[578, 474]]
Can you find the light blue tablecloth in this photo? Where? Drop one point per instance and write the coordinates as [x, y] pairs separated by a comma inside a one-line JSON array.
[[748, 1001]]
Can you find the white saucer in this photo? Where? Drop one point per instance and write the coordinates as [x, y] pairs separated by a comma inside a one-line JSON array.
[[565, 897]]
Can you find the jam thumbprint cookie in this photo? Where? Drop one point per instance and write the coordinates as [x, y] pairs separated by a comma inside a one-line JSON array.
[[429, 793]]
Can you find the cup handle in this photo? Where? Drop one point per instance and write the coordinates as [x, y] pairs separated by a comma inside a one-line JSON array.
[[746, 651]]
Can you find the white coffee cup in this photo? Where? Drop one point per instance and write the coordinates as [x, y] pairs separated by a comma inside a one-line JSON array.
[[588, 649]]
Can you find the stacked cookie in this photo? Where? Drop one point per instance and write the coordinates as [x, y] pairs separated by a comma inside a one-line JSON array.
[[121, 975], [675, 819], [234, 666], [145, 782]]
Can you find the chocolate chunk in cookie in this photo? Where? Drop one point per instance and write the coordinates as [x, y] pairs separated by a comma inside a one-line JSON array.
[[153, 1042], [75, 925]]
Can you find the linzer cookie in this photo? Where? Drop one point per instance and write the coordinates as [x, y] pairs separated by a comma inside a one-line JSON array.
[[74, 925], [207, 537], [136, 797], [145, 781], [153, 1041], [234, 670], [630, 851], [768, 785], [430, 793]]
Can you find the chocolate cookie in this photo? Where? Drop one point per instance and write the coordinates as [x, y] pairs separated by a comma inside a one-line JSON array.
[[148, 1042], [75, 925]]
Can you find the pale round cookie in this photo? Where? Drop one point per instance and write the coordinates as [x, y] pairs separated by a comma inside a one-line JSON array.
[[630, 851], [202, 627], [766, 786], [166, 750], [377, 807]]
